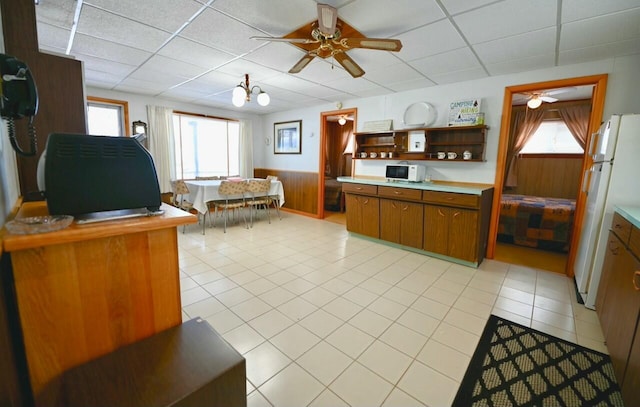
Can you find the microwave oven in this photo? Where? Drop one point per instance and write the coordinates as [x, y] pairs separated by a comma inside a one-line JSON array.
[[406, 172]]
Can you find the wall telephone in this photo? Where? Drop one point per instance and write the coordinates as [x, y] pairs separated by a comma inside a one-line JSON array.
[[18, 99]]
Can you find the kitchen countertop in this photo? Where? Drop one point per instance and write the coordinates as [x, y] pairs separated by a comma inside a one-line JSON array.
[[441, 186], [630, 213]]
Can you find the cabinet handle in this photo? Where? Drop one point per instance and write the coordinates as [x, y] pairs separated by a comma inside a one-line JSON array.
[[613, 247], [635, 275], [450, 198], [393, 204], [456, 214], [617, 226], [397, 192], [366, 201], [359, 188], [440, 212], [404, 208]]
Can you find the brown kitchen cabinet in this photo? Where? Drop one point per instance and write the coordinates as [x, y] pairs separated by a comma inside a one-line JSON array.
[[363, 209], [401, 222], [618, 305], [451, 224]]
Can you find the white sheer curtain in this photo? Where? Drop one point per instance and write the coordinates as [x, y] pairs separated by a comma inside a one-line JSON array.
[[161, 144], [246, 149]]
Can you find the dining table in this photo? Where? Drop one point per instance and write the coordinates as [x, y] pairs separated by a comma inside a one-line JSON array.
[[203, 191]]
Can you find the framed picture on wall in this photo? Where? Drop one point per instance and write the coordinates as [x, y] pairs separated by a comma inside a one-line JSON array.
[[287, 137]]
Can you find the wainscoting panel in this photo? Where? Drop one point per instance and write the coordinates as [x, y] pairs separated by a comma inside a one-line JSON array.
[[300, 189], [549, 177]]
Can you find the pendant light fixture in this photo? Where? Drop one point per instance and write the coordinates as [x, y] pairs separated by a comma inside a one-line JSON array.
[[534, 102], [242, 94]]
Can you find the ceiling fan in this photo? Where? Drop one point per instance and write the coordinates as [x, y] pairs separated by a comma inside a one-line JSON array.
[[535, 98], [329, 36]]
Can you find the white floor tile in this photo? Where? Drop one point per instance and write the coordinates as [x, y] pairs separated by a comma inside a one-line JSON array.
[[263, 362], [385, 361], [328, 399], [428, 386], [350, 340], [292, 387], [324, 362], [404, 339], [294, 341], [444, 359], [360, 387]]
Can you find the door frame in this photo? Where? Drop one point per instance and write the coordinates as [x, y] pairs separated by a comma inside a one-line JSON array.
[[324, 119], [599, 83]]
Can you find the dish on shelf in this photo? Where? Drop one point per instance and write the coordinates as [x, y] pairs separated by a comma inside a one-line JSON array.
[[38, 224], [420, 114]]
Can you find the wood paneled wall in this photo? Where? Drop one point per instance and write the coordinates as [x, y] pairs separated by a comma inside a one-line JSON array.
[[300, 189], [59, 81], [549, 177]]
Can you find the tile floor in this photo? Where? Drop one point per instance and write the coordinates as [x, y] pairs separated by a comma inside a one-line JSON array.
[[328, 319]]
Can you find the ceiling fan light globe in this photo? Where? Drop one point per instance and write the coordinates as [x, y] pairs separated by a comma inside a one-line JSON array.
[[263, 99], [534, 102], [342, 121]]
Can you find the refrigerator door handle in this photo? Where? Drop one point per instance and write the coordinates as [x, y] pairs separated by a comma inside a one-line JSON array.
[[592, 144], [587, 178]]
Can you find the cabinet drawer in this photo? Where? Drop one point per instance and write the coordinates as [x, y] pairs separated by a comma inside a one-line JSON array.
[[400, 193], [359, 188], [634, 241], [621, 227], [451, 198]]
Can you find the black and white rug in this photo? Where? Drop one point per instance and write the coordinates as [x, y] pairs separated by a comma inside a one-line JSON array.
[[514, 365]]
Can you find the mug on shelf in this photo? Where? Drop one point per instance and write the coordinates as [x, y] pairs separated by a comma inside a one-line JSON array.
[[452, 155], [383, 154], [373, 154], [441, 155], [363, 155], [390, 154], [466, 155]]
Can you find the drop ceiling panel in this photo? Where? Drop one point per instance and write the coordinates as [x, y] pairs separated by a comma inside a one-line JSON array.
[[608, 29], [401, 73], [456, 60], [521, 64], [256, 72], [219, 31], [110, 27], [411, 85], [102, 65], [506, 18], [50, 36], [276, 55], [462, 75], [167, 15], [573, 10], [383, 19], [273, 17], [431, 39], [457, 6], [56, 12], [539, 42], [85, 45], [195, 53], [599, 52], [162, 64]]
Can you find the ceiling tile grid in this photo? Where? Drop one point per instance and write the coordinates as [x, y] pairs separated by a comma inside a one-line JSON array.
[[199, 50]]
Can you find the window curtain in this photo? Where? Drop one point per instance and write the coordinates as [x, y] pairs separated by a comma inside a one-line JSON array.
[[525, 123], [246, 149], [161, 144], [344, 142], [577, 120]]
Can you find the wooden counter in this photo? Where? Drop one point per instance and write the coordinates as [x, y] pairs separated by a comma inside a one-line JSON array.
[[87, 290]]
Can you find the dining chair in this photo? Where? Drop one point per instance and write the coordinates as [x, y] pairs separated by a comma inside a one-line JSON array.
[[257, 195], [180, 191], [275, 198], [233, 198]]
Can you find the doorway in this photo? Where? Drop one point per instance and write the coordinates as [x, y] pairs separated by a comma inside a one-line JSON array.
[[336, 143], [597, 106]]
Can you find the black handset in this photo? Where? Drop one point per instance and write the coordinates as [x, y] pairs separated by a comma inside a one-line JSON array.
[[18, 99]]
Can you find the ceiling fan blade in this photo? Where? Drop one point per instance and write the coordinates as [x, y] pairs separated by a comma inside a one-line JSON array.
[[327, 19], [558, 90], [349, 64], [304, 61], [278, 39], [372, 43], [548, 99]]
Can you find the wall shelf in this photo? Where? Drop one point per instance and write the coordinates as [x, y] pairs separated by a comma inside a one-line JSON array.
[[456, 139]]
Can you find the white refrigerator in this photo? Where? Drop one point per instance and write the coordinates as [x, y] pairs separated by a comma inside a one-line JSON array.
[[614, 180]]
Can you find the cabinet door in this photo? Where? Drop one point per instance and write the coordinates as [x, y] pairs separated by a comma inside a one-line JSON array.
[[614, 246], [631, 385], [390, 220], [401, 222], [363, 215], [411, 224], [622, 307], [463, 234], [436, 229]]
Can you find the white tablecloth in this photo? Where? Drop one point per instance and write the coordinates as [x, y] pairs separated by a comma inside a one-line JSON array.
[[201, 192]]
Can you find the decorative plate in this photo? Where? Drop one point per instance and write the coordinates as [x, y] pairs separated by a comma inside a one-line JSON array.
[[38, 224], [420, 114]]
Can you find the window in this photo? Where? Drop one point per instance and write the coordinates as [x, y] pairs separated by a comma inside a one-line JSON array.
[[107, 117], [552, 137], [206, 146]]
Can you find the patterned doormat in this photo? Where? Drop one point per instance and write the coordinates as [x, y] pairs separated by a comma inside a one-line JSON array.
[[518, 366]]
